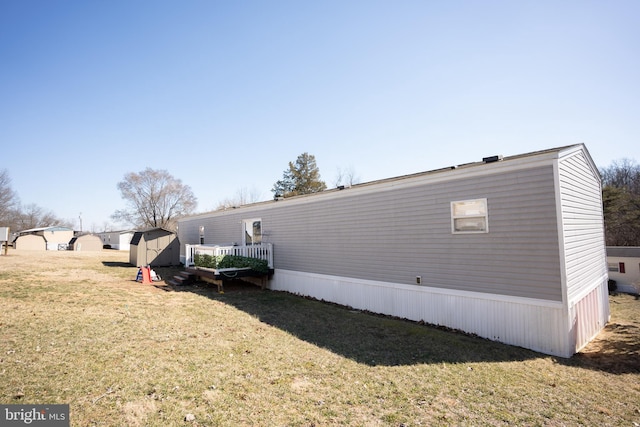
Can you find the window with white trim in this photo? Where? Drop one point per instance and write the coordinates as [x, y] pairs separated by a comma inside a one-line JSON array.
[[469, 216]]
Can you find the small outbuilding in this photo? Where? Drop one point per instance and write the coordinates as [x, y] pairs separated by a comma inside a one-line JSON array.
[[86, 243], [155, 247], [56, 238], [30, 242]]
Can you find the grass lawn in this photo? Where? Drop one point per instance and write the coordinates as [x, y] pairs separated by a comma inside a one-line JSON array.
[[75, 328]]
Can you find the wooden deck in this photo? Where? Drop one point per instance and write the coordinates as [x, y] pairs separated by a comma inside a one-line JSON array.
[[219, 276]]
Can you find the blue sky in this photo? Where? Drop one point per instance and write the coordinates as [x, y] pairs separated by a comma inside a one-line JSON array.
[[223, 94]]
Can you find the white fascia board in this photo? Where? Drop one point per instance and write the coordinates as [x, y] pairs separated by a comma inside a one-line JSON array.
[[580, 148], [560, 229]]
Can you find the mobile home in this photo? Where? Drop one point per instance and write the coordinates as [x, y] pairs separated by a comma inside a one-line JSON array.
[[624, 267], [511, 249], [118, 240]]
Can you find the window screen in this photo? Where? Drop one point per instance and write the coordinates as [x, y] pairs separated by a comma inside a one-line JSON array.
[[469, 216]]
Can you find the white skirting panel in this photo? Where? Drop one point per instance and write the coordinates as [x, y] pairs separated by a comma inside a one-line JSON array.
[[530, 323], [590, 314]]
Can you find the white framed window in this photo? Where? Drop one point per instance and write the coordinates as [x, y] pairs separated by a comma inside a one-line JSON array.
[[469, 216], [251, 231]]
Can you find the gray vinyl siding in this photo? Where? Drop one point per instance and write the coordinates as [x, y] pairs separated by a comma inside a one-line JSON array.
[[221, 228], [583, 225], [404, 231]]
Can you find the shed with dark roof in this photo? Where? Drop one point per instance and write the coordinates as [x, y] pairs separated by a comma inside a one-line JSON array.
[[155, 247]]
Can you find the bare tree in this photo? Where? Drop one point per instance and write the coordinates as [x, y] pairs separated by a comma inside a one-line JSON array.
[[621, 202], [243, 196], [34, 216], [106, 226], [623, 173], [346, 177], [9, 201], [155, 199], [18, 217]]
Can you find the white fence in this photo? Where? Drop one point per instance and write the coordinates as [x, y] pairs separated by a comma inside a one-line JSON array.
[[262, 251]]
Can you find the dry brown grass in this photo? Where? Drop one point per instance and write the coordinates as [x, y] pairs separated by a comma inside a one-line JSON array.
[[75, 328]]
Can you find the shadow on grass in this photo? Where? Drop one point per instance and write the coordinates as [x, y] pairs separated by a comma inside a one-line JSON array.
[[374, 339], [161, 271], [616, 350], [116, 264], [366, 338]]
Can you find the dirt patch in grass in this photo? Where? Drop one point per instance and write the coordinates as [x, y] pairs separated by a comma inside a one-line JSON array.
[[617, 348], [76, 328]]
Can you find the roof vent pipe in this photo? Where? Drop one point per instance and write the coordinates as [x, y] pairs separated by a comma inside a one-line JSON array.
[[492, 159]]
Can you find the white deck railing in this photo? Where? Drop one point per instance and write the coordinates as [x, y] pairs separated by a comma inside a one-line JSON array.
[[262, 251]]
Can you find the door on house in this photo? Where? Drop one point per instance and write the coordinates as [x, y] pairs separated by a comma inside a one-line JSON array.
[[252, 231]]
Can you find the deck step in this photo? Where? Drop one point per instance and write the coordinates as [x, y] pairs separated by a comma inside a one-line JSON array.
[[182, 278]]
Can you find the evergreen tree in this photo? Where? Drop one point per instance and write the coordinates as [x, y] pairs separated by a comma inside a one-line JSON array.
[[302, 177]]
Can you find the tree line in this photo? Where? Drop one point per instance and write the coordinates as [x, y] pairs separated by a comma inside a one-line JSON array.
[[154, 198], [17, 216], [621, 203]]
